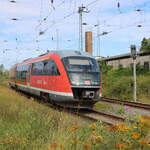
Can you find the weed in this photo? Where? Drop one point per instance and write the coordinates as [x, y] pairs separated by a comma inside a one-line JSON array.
[[28, 125]]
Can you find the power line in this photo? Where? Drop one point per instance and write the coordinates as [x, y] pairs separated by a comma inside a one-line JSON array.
[[131, 25], [45, 18], [137, 10], [91, 3], [67, 16], [58, 21]]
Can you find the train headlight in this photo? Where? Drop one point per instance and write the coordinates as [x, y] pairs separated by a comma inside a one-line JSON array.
[[75, 82], [94, 82], [75, 79]]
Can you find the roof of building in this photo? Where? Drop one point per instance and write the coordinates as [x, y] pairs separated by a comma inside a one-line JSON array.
[[124, 56]]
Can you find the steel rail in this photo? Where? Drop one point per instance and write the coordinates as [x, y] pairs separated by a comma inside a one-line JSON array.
[[128, 103], [95, 115]]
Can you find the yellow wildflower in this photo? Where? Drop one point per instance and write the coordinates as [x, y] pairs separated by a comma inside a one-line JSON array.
[[96, 139], [54, 145], [49, 148], [113, 128], [99, 137], [106, 127], [138, 117], [145, 123], [93, 126], [134, 127], [126, 129], [122, 127], [61, 145], [120, 145], [146, 117], [74, 127], [144, 141], [87, 146], [135, 135]]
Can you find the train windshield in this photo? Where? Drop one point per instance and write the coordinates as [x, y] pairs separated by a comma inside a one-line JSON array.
[[82, 70], [81, 64]]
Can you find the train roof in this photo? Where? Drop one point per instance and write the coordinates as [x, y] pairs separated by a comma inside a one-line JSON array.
[[61, 54], [68, 53]]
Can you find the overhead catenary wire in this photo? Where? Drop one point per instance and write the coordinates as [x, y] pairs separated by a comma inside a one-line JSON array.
[[45, 18], [67, 16], [90, 4], [58, 21], [138, 9], [130, 25], [102, 32]]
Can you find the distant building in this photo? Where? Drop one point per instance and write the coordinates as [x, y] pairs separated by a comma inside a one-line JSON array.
[[125, 60]]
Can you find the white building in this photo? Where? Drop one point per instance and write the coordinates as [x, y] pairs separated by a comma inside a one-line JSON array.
[[125, 60]]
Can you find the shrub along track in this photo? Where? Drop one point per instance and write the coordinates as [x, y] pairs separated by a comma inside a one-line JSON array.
[[127, 103]]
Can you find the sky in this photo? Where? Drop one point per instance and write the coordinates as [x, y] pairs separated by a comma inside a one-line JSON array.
[[30, 28]]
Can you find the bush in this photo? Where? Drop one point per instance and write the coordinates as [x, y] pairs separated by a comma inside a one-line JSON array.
[[118, 83]]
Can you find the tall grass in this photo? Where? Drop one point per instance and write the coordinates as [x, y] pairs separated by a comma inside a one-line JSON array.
[[119, 84], [27, 125]]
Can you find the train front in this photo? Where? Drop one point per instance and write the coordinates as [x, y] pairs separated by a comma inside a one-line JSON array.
[[84, 75]]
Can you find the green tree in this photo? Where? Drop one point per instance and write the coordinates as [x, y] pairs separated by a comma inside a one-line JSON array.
[[1, 69], [145, 45], [104, 67]]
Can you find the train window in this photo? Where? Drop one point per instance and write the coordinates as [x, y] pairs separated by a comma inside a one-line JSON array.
[[34, 68], [53, 68], [81, 64], [47, 67], [37, 68], [21, 72], [46, 70], [40, 67], [18, 73]]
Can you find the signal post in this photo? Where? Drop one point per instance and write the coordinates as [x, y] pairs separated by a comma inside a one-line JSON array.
[[134, 55]]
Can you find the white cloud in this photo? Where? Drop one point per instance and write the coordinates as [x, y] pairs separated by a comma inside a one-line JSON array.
[[30, 12]]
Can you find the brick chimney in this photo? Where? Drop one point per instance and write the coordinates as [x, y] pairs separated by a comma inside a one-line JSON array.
[[88, 42]]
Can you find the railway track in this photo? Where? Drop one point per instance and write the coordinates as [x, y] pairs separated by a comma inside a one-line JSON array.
[[127, 103], [95, 115], [87, 113]]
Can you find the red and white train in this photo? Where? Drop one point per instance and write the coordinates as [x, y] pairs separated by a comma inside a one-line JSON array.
[[70, 78]]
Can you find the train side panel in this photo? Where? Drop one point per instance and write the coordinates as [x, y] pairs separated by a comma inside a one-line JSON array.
[[57, 86], [33, 76]]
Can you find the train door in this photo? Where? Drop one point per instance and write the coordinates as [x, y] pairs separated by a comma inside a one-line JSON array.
[[28, 75]]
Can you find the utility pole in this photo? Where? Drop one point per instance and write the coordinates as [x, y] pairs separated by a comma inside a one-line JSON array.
[[81, 10], [134, 55]]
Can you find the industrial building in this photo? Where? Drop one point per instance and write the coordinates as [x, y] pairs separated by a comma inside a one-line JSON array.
[[125, 60]]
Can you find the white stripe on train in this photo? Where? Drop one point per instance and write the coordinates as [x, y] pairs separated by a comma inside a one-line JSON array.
[[47, 91]]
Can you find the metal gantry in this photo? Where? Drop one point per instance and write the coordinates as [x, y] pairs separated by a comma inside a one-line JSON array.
[[81, 10]]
